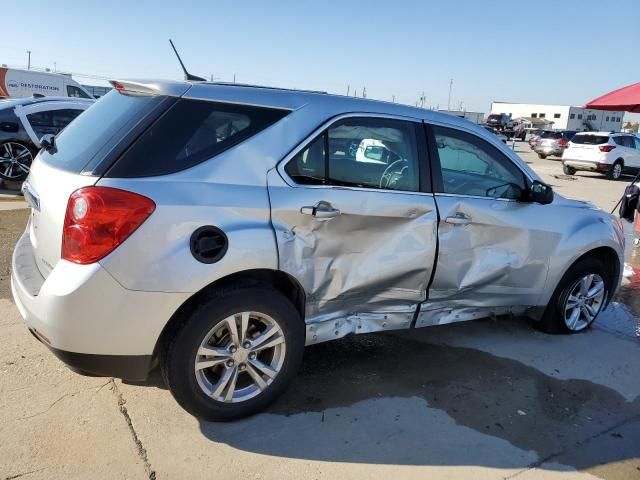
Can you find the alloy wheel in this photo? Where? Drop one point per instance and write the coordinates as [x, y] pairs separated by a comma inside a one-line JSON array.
[[617, 171], [240, 357], [584, 302], [15, 161]]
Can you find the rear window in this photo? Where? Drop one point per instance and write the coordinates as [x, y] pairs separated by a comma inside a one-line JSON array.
[[590, 139], [554, 135], [190, 132], [97, 129]]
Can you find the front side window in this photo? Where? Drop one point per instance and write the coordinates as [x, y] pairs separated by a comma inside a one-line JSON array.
[[361, 152], [471, 166]]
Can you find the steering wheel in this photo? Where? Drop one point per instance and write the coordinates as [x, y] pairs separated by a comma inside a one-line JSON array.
[[390, 175]]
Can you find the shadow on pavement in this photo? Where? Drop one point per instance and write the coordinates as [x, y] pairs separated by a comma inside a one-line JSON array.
[[384, 399]]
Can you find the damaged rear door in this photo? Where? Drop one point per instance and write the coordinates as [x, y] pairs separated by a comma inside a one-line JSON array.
[[356, 224], [493, 246]]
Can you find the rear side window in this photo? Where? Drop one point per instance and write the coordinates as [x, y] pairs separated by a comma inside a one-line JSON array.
[[190, 132], [590, 139]]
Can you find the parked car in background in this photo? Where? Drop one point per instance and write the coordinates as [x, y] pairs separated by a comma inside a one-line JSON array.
[[499, 121], [534, 135], [610, 153], [215, 230], [15, 83], [24, 121], [502, 137], [553, 142]]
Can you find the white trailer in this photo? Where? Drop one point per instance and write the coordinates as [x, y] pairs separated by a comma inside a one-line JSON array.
[[15, 83]]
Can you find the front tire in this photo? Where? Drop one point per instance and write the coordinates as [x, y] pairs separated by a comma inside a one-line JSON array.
[[568, 170], [235, 354], [541, 156], [579, 298]]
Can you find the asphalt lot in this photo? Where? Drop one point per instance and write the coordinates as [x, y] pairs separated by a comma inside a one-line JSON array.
[[486, 400]]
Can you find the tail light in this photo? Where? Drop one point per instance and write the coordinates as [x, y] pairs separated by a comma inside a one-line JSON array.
[[606, 148], [563, 143], [98, 219]]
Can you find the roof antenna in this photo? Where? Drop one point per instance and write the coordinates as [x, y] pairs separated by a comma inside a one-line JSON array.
[[187, 75]]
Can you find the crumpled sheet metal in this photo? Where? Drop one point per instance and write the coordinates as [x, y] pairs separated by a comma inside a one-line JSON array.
[[438, 314], [375, 257], [378, 252], [498, 260], [340, 324]]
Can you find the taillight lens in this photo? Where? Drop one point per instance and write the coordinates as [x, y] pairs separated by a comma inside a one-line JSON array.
[[606, 148], [563, 143], [98, 219]]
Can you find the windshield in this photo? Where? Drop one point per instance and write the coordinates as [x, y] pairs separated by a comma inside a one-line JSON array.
[[554, 135], [590, 139], [98, 129]]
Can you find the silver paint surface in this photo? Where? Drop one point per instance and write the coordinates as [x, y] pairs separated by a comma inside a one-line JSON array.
[[366, 270]]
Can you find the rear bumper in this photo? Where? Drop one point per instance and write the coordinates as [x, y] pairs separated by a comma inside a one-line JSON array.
[[555, 151], [585, 165], [87, 318], [127, 367]]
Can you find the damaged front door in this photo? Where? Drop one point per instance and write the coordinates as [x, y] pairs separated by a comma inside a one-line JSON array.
[[356, 226], [494, 246]]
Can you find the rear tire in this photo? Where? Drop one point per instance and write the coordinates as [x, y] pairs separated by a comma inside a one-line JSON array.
[[217, 376], [557, 317], [568, 170], [541, 156], [615, 172]]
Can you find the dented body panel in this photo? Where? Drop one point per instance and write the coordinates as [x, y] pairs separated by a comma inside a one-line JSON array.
[[500, 258], [373, 260]]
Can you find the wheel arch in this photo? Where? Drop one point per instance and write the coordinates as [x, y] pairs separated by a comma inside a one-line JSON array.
[[277, 279]]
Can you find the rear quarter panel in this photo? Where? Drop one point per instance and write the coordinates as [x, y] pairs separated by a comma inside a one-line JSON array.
[[157, 256]]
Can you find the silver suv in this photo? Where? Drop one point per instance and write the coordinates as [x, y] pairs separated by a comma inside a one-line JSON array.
[[215, 230]]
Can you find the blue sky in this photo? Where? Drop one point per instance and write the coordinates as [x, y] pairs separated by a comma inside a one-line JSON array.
[[539, 52]]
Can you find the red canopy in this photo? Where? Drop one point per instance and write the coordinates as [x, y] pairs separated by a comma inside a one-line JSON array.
[[625, 99]]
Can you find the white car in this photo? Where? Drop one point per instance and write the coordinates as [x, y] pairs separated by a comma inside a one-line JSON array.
[[609, 153]]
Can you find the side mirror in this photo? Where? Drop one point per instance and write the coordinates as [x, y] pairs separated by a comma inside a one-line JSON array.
[[540, 193], [48, 142]]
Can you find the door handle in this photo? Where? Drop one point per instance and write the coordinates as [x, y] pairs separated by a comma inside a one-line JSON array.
[[458, 219], [322, 211]]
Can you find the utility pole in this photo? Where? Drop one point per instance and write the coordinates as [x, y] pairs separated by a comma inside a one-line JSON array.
[[449, 101], [234, 78], [348, 88], [393, 99], [29, 60], [422, 100], [364, 92], [55, 67]]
